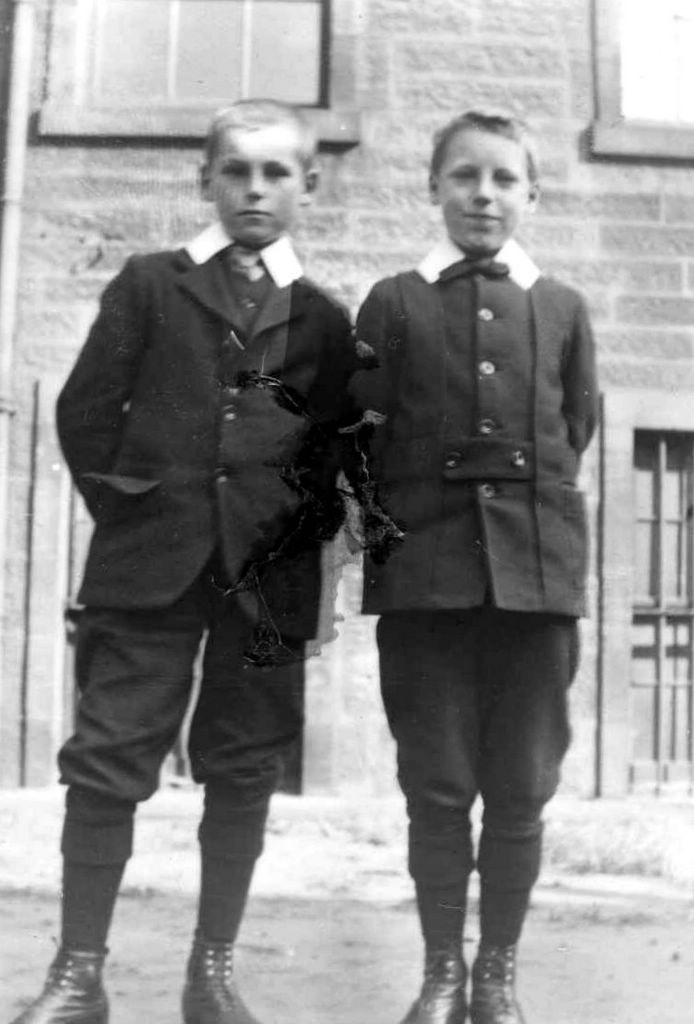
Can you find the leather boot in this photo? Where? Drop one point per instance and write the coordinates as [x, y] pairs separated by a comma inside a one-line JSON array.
[[73, 993], [493, 987], [442, 999], [210, 995]]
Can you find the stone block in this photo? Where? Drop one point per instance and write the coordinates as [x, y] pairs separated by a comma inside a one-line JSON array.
[[647, 344], [380, 229], [655, 309], [603, 205], [581, 88], [517, 61], [645, 241], [402, 17], [318, 225], [452, 95], [679, 209], [670, 376], [632, 275], [542, 237]]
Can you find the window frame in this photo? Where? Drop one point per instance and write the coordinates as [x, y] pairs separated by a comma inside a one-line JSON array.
[[663, 610], [63, 112], [623, 413], [611, 134]]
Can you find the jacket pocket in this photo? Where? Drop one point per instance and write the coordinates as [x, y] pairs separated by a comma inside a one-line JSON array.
[[113, 496]]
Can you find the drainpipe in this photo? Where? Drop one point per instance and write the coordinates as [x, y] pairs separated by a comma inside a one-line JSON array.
[[20, 19]]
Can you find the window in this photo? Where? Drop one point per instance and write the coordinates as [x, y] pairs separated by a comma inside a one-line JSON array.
[[645, 78], [645, 602], [663, 611], [161, 67]]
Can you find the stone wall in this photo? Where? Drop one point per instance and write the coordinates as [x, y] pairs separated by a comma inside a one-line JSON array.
[[623, 232]]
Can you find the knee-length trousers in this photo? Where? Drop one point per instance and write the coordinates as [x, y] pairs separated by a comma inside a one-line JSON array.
[[477, 703], [135, 674]]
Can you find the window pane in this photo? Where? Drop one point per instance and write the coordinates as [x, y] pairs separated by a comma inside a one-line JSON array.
[[209, 53], [674, 563], [660, 88], [676, 488], [645, 463], [131, 51], [644, 652], [285, 51], [677, 645], [676, 479], [646, 564], [679, 724], [643, 719]]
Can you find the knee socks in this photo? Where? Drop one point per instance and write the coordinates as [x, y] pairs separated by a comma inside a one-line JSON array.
[[231, 839], [89, 897], [442, 917]]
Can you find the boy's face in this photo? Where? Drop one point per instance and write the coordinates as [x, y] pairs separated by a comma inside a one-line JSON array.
[[257, 182], [483, 189]]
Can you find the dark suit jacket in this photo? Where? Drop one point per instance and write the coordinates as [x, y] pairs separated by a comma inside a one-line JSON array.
[[493, 514], [172, 457]]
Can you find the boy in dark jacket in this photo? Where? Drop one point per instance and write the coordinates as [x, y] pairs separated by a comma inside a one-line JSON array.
[[200, 426], [485, 383]]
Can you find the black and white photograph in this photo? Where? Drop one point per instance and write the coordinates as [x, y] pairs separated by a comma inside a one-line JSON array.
[[347, 511]]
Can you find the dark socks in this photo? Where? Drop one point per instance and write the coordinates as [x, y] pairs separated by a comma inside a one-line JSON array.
[[442, 917], [502, 915], [224, 886], [89, 896]]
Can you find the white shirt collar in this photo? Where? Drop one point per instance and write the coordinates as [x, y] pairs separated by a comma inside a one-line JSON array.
[[522, 270], [280, 260]]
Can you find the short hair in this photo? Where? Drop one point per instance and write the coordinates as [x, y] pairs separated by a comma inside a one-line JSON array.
[[251, 114], [495, 122]]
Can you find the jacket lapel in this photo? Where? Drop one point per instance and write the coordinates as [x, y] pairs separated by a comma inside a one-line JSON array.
[[266, 343], [207, 283]]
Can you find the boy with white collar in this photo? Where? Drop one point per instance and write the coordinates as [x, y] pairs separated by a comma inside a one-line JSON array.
[[200, 424], [485, 389]]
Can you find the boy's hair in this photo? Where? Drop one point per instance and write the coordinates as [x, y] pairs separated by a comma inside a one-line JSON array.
[[249, 115], [497, 123]]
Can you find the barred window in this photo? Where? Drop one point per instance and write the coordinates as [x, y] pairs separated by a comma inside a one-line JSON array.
[[662, 706]]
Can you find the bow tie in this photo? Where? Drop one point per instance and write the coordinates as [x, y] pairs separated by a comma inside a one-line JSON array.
[[247, 262], [466, 268]]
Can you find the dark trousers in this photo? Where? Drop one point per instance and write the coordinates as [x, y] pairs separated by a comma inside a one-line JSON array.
[[477, 702], [135, 673]]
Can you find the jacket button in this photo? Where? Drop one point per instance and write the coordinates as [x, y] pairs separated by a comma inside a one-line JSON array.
[[486, 426], [518, 459], [487, 368], [229, 416], [487, 490], [485, 314], [453, 459], [221, 476]]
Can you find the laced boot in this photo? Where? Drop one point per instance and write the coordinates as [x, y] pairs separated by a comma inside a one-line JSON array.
[[210, 995], [73, 993], [442, 999], [493, 987]]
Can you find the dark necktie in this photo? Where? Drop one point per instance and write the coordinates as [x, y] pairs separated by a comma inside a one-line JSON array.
[[466, 268]]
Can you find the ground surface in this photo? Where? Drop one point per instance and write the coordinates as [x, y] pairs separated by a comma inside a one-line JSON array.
[[330, 936]]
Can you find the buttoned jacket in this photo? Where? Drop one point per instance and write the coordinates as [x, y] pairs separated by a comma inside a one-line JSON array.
[[173, 458], [487, 495]]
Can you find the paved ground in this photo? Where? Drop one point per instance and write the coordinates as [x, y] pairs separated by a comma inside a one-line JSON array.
[[330, 936]]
